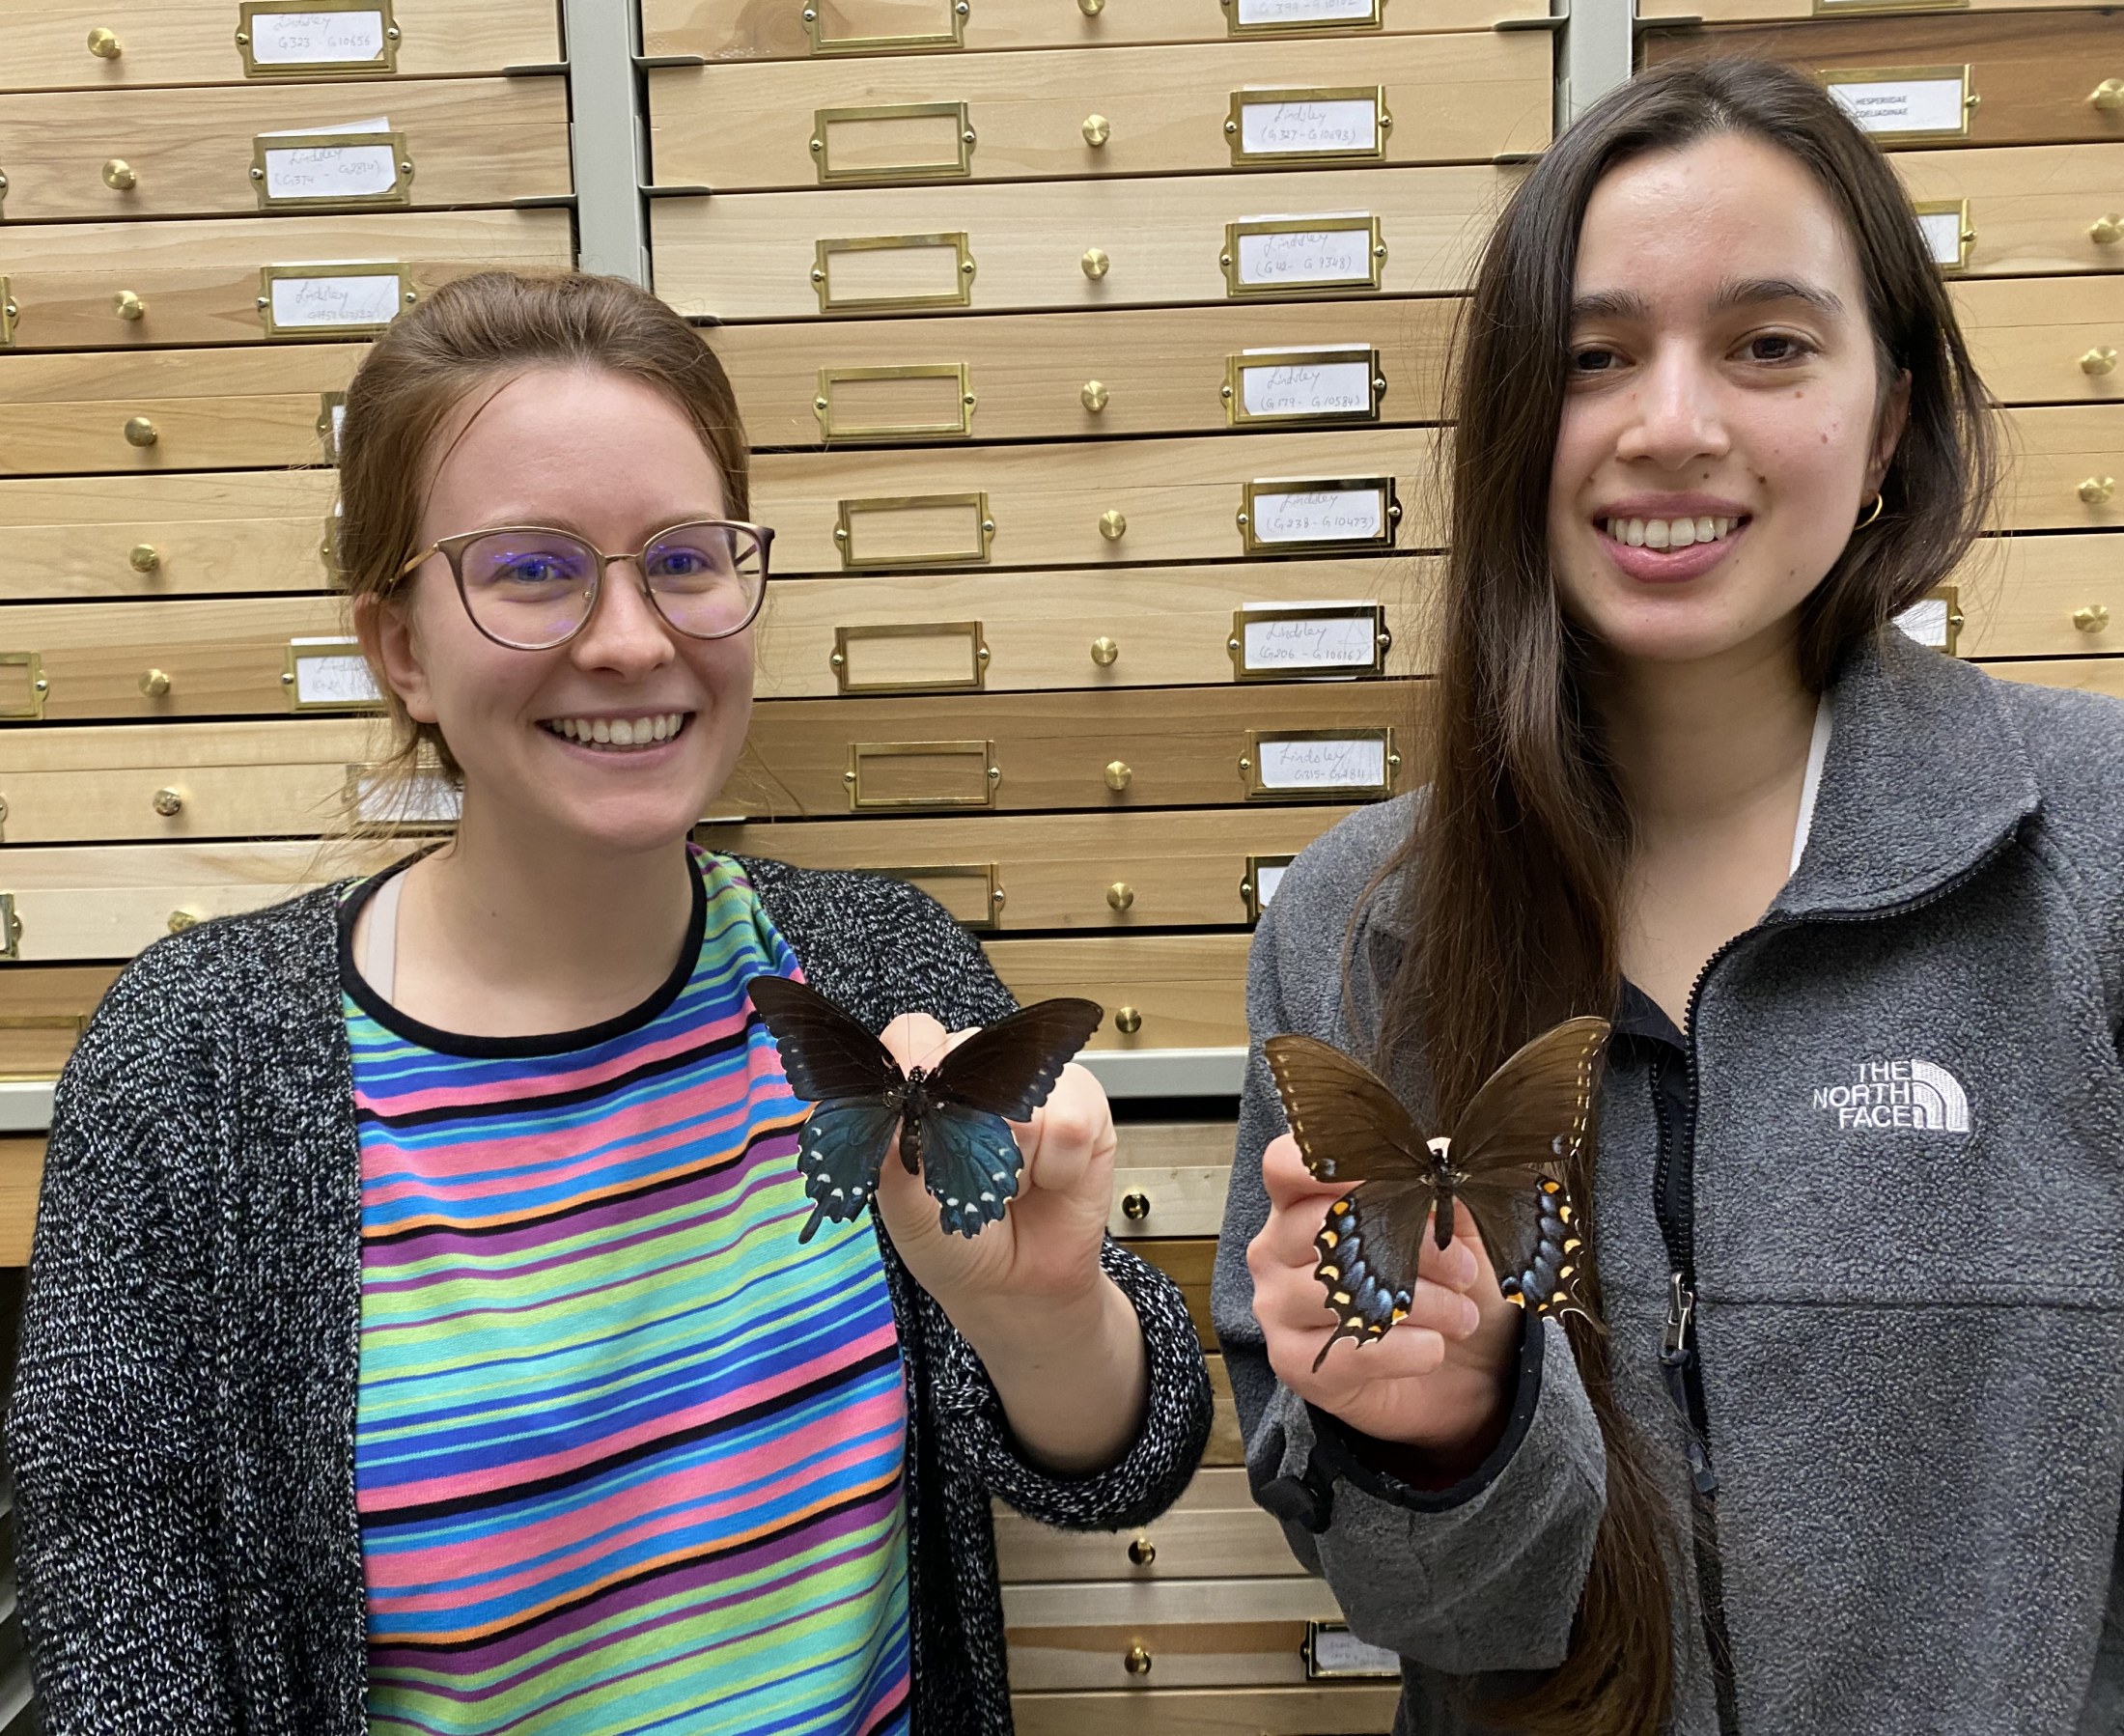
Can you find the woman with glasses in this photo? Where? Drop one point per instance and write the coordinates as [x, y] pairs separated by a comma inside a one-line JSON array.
[[419, 1335]]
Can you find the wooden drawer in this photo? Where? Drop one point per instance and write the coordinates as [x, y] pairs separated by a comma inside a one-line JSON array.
[[1038, 871], [43, 1011], [1663, 15], [1318, 1709], [204, 409], [21, 1174], [751, 255], [1465, 97], [191, 153], [2031, 210], [201, 283], [2089, 674], [156, 534], [2044, 596], [1214, 1531], [1176, 500], [1149, 370], [2067, 465], [776, 30], [1189, 1262], [1188, 990], [1147, 1660], [2046, 340], [193, 42], [1169, 1178], [2031, 73]]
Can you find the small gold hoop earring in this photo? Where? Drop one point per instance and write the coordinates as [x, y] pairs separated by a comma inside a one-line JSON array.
[[1871, 516]]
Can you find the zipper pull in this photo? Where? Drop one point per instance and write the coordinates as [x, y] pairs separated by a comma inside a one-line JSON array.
[[1677, 1357]]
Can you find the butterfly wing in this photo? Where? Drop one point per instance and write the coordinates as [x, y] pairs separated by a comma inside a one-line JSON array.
[[970, 1163], [1009, 1067], [1347, 1125], [1535, 1242], [1535, 1110], [1367, 1248], [827, 1054], [839, 1154]]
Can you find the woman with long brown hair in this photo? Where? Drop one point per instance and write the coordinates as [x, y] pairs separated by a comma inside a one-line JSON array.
[[1839, 1447]]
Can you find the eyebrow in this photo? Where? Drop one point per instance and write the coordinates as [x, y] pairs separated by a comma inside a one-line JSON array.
[[1734, 293]]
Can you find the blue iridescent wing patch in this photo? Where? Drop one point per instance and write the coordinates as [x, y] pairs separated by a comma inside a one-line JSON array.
[[842, 1148], [971, 1162]]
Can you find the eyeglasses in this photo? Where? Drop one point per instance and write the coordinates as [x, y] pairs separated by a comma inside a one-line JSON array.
[[532, 588]]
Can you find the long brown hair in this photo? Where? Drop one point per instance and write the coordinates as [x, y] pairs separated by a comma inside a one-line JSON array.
[[480, 332], [1510, 882]]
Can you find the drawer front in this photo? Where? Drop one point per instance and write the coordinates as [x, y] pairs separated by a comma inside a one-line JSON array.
[[1187, 991], [162, 535], [124, 286], [21, 1175], [1132, 371], [1108, 873], [1129, 111], [1319, 1709], [2046, 340], [777, 29], [1214, 1531], [752, 256], [1671, 15], [1100, 503], [94, 157], [2031, 210], [2089, 674], [2048, 597], [2033, 76], [1141, 1659], [2067, 463], [1170, 1180], [193, 42], [1189, 1262], [43, 1011]]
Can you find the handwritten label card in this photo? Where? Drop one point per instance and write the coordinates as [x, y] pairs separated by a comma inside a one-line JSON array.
[[426, 798], [1296, 515], [1285, 123], [1927, 621], [1288, 643], [1334, 1651], [1321, 763], [334, 300], [1288, 14], [1290, 385], [322, 165], [329, 675], [318, 38], [1947, 234], [1268, 256], [1931, 103]]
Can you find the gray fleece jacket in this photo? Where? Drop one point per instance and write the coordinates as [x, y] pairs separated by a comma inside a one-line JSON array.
[[1895, 1181]]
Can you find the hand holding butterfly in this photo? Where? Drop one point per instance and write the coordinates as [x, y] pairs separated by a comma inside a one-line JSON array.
[[1437, 1381]]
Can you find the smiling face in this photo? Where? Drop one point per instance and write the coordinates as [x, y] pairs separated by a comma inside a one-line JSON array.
[[1724, 422], [617, 739]]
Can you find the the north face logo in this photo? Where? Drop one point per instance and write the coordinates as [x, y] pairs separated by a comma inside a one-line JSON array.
[[1920, 1094]]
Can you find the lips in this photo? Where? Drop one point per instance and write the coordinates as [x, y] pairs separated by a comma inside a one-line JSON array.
[[619, 735], [1672, 565]]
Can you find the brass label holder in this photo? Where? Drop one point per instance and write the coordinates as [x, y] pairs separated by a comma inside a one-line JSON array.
[[1332, 1653], [11, 932], [862, 755], [328, 675], [1302, 17], [1935, 619], [988, 893], [30, 708], [1964, 103], [338, 313], [333, 61], [836, 425], [1249, 887], [387, 147], [331, 408], [1364, 254], [827, 250], [1329, 630], [1304, 369], [1330, 775], [958, 166], [1251, 494], [1934, 218], [1372, 150], [969, 632], [950, 34], [9, 313], [974, 553]]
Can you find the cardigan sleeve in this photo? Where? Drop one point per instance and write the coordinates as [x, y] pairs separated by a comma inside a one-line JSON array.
[[109, 1430], [881, 947]]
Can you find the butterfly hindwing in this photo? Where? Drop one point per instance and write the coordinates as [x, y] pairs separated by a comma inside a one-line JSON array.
[[1536, 1244], [1009, 1067], [839, 1154], [970, 1163], [1367, 1255], [1534, 1111], [825, 1054], [1349, 1125]]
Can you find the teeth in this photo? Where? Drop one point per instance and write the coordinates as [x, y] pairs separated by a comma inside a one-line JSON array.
[[1670, 533], [619, 732]]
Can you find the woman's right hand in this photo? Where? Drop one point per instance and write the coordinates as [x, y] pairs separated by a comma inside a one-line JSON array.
[[1438, 1381]]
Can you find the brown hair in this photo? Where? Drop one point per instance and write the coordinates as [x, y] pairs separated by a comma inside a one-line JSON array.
[[1511, 881], [485, 330]]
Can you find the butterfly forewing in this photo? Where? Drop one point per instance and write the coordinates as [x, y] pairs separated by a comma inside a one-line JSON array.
[[1008, 1067], [825, 1054], [1347, 1125], [1536, 1108]]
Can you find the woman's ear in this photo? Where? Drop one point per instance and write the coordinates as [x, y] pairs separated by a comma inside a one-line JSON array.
[[385, 628], [1887, 434]]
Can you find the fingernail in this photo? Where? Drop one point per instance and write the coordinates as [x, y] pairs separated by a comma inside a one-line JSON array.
[[1471, 1316]]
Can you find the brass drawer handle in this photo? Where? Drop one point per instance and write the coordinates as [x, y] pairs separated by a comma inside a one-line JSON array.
[[106, 44], [2100, 360], [118, 176], [2093, 618], [145, 557], [1135, 1207], [182, 920], [1091, 9], [2109, 93], [1118, 774], [1094, 396], [1142, 1552], [169, 803], [154, 684], [127, 305], [1128, 1021], [1098, 129], [1113, 525], [1104, 651], [1120, 895], [1095, 261], [2107, 230], [140, 431], [2097, 489], [1137, 1661]]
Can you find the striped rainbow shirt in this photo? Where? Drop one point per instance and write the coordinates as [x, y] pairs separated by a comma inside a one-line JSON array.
[[628, 1456]]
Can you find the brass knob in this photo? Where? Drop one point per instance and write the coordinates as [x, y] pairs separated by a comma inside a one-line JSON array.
[[127, 305], [1143, 1551], [1137, 1661], [1091, 9], [1094, 395], [154, 684], [145, 557], [118, 176], [2100, 360], [1118, 774], [181, 920], [1104, 652], [2093, 618], [2109, 93], [2107, 230], [1120, 895], [1095, 261], [1113, 525], [106, 44], [140, 431], [169, 803], [1098, 129], [1128, 1021], [1135, 1207], [2097, 489]]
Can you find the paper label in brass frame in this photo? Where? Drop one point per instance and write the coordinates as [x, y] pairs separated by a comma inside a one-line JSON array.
[[329, 306], [9, 314], [332, 412], [1332, 1653], [959, 166], [973, 681], [1330, 775], [11, 931], [861, 753], [1345, 359], [1372, 96], [953, 35], [426, 798], [335, 62], [1962, 106], [1313, 625], [1249, 887], [30, 709], [852, 557], [988, 874], [1365, 272], [1853, 8], [959, 294], [266, 146], [834, 427], [328, 675], [1302, 17], [1941, 219], [1935, 619], [1252, 493]]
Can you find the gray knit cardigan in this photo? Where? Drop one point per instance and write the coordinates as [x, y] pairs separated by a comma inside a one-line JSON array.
[[183, 1426]]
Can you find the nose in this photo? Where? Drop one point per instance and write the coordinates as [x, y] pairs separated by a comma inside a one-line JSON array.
[[1677, 418], [624, 634]]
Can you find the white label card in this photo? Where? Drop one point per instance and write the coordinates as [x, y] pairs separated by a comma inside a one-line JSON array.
[[1307, 256], [1359, 763], [428, 797], [1258, 14], [331, 674], [300, 38], [348, 171], [1927, 621], [1319, 642], [1321, 516], [1306, 388], [339, 422], [1943, 233], [1271, 126], [1267, 880], [367, 298], [1900, 105], [1336, 1651]]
